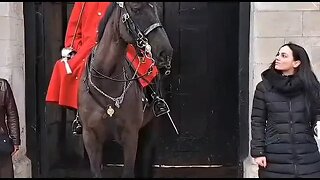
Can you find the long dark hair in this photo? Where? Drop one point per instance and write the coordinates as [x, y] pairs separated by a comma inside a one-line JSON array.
[[306, 74]]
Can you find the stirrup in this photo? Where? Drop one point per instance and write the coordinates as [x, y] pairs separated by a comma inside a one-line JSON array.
[[76, 126], [160, 113]]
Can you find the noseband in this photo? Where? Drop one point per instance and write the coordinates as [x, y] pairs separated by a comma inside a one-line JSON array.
[[139, 35], [136, 32]]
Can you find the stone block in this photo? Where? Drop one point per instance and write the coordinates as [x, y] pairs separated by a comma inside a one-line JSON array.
[[311, 21], [286, 6], [265, 49], [277, 24], [250, 168], [4, 9], [258, 69]]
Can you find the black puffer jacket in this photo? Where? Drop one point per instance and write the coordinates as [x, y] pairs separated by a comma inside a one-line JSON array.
[[280, 129]]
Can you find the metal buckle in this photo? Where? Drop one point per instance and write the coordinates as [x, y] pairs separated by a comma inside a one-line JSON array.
[[142, 59]]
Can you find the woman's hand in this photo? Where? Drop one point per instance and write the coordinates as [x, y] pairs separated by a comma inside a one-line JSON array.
[[16, 148], [261, 161]]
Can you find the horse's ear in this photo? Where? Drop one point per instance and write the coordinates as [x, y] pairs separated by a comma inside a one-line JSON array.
[[120, 4]]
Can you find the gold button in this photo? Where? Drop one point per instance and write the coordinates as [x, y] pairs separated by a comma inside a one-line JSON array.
[[99, 13]]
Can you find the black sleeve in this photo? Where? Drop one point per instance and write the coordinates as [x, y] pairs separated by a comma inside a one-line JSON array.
[[12, 115], [258, 122]]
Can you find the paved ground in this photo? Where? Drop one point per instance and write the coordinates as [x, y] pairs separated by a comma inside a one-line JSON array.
[[109, 172]]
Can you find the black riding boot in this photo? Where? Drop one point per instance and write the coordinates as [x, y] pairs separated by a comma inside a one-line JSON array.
[[76, 126]]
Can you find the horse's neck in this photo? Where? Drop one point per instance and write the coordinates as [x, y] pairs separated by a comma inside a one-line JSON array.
[[108, 60], [109, 56]]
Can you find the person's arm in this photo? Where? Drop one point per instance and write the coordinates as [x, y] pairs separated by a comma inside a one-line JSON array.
[[73, 39], [12, 115], [258, 122], [90, 21], [72, 25]]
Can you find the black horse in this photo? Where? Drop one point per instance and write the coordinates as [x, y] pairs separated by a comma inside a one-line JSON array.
[[111, 100]]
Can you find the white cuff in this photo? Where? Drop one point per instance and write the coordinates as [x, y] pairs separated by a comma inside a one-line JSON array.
[[65, 52]]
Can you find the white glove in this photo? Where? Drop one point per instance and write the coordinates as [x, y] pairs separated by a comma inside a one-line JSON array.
[[66, 54]]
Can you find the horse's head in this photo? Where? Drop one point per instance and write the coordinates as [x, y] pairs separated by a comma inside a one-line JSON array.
[[141, 27]]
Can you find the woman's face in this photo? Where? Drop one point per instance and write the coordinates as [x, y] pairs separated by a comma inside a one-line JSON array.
[[285, 62]]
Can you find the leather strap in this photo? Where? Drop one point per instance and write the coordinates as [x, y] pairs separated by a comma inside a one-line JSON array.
[[77, 26]]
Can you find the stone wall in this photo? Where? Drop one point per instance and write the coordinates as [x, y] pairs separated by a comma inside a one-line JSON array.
[[272, 25], [12, 68]]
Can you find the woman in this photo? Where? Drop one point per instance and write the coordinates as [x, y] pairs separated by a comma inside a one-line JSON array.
[[284, 113], [9, 124]]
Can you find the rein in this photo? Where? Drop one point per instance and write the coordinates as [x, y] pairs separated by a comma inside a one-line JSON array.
[[141, 45], [102, 76]]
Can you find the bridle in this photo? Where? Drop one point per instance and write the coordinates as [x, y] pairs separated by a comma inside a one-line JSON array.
[[139, 35], [143, 49]]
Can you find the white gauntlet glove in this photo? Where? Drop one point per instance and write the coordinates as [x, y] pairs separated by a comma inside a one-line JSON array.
[[66, 54]]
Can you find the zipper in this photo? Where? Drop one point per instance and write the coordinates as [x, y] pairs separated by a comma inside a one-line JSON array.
[[292, 139]]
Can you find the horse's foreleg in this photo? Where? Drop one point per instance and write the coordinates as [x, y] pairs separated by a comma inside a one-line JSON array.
[[94, 149], [130, 143], [146, 150]]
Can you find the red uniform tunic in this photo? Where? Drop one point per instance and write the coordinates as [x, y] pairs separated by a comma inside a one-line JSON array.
[[63, 87]]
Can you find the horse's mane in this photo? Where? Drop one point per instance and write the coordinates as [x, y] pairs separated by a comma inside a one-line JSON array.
[[105, 19]]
